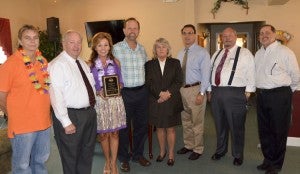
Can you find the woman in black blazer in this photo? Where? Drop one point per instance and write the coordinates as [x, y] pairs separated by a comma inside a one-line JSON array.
[[164, 79]]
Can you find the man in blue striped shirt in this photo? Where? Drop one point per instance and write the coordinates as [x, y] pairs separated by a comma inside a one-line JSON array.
[[133, 57], [195, 62]]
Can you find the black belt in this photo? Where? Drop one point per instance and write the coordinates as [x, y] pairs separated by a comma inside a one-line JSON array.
[[133, 88], [190, 85], [228, 88], [261, 90], [81, 109]]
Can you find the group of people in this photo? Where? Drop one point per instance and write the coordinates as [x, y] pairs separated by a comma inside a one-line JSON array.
[[164, 92], [227, 81]]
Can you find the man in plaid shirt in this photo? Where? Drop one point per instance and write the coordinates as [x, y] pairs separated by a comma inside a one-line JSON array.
[[133, 57]]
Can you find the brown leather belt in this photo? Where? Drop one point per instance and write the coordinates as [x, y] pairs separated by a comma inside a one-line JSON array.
[[190, 85]]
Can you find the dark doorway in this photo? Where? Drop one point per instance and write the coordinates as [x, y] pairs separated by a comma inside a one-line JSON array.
[[247, 34]]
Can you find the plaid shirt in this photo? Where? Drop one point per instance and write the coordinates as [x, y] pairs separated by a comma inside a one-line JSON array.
[[132, 63]]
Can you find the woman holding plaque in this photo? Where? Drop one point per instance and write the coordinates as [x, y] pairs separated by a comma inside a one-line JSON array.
[[110, 108], [164, 79]]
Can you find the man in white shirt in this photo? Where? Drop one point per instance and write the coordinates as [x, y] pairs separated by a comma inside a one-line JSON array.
[[73, 99], [233, 79], [277, 76]]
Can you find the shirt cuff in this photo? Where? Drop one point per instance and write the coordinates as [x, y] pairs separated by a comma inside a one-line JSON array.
[[209, 89], [65, 121], [250, 89]]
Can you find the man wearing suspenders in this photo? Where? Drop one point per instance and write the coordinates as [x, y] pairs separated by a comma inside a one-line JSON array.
[[232, 80]]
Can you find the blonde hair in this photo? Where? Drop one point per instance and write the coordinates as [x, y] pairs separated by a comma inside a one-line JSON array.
[[25, 28], [165, 43]]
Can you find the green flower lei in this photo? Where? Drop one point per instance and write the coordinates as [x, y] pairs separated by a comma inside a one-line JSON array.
[[217, 5]]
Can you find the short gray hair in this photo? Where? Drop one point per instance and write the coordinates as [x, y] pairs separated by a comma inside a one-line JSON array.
[[66, 35]]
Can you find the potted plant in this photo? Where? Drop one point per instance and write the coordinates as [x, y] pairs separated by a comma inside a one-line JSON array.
[[49, 49]]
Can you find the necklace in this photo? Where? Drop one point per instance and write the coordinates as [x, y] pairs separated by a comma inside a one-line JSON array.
[[41, 88]]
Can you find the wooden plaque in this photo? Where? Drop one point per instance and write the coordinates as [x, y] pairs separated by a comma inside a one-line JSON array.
[[110, 85]]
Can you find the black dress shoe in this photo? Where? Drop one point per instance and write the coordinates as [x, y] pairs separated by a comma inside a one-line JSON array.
[[238, 161], [271, 171], [194, 156], [160, 158], [170, 162], [125, 166], [142, 161], [263, 166], [183, 151], [216, 156]]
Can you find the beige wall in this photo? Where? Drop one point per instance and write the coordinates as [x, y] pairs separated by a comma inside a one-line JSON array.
[[20, 12], [283, 17], [157, 19]]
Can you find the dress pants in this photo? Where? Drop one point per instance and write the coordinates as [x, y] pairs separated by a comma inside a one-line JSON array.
[[77, 150], [274, 117], [229, 111], [136, 105], [192, 118]]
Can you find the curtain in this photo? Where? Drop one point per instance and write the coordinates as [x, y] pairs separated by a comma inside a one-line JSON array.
[[5, 36]]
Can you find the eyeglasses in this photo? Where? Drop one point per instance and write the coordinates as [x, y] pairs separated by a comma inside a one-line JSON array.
[[188, 33], [267, 33]]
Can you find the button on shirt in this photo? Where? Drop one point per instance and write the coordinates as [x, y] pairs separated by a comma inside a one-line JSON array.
[[276, 66], [197, 66], [244, 75], [132, 63], [67, 88]]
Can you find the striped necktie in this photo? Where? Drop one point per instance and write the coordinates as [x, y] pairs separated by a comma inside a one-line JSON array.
[[219, 68], [184, 60]]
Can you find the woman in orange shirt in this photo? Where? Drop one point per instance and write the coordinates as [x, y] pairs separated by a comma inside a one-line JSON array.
[[25, 100]]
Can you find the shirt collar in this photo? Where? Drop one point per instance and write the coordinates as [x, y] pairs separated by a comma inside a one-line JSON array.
[[271, 46], [126, 44], [164, 61], [232, 48], [191, 47], [69, 58]]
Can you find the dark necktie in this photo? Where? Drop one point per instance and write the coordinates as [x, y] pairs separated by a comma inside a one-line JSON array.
[[219, 68], [87, 85], [184, 60]]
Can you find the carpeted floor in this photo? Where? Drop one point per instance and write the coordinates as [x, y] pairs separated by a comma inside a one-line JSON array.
[[204, 165]]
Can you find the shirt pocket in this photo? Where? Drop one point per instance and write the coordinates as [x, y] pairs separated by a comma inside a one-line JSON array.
[[276, 69]]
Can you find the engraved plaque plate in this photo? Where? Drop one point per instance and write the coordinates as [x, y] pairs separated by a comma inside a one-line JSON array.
[[110, 85]]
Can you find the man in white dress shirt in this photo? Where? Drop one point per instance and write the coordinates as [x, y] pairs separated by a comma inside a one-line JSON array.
[[74, 121], [277, 76], [233, 79]]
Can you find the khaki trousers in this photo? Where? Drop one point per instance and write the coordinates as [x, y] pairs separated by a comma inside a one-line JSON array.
[[193, 119]]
